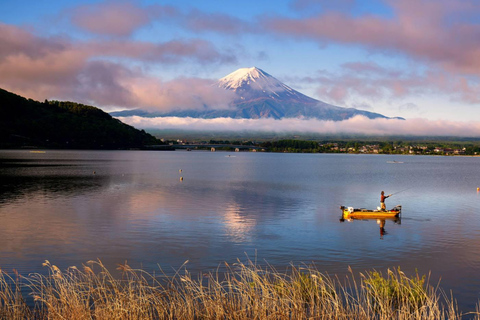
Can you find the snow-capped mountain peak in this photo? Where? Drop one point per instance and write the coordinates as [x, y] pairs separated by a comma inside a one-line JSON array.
[[254, 81], [244, 76]]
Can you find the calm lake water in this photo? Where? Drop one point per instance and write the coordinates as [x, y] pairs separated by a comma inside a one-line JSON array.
[[275, 208]]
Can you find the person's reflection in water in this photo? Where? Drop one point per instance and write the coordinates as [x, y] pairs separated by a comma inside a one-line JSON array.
[[381, 222]]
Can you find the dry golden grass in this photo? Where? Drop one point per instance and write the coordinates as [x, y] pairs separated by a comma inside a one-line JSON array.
[[244, 291]]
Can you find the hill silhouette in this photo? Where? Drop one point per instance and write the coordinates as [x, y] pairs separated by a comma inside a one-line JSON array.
[[63, 124]]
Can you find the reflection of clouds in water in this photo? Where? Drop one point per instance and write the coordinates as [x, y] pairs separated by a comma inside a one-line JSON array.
[[144, 203], [25, 229], [238, 227]]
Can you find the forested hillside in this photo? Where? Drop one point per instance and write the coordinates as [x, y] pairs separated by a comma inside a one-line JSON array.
[[56, 124]]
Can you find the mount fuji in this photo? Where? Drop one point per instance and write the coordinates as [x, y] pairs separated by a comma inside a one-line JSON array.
[[260, 95]]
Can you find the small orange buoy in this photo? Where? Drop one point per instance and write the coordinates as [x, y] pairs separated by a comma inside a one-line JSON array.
[[181, 178], [478, 189]]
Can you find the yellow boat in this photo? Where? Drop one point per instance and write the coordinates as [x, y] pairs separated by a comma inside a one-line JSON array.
[[352, 213]]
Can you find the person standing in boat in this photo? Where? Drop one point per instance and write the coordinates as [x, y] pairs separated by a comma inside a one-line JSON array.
[[382, 200]]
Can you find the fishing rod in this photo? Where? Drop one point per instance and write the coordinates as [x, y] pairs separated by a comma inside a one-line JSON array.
[[391, 194]]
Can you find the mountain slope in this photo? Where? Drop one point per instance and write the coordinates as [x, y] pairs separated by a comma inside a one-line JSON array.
[[58, 124], [260, 95]]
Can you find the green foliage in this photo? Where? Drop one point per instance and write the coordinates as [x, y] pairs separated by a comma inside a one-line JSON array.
[[396, 288], [292, 146], [471, 149], [56, 124]]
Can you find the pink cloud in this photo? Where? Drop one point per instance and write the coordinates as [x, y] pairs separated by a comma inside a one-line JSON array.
[[216, 22], [117, 18], [178, 94], [125, 17], [368, 80], [167, 52], [369, 69], [110, 84], [432, 30], [15, 40], [323, 4], [58, 68], [102, 83]]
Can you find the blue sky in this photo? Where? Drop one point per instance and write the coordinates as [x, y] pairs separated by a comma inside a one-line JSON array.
[[418, 59]]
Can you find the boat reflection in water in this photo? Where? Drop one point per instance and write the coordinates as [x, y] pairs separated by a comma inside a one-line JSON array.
[[350, 214]]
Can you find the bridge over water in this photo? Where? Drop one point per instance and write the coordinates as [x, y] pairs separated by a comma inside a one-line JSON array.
[[212, 147], [216, 146]]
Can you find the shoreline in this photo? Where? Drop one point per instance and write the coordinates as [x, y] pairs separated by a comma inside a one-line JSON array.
[[40, 150]]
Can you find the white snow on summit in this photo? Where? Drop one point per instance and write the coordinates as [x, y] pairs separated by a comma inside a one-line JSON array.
[[253, 79]]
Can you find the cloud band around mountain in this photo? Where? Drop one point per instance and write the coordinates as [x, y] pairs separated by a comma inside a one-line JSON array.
[[356, 125]]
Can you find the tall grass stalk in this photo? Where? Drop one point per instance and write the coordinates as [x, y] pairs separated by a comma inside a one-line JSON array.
[[244, 291], [12, 304]]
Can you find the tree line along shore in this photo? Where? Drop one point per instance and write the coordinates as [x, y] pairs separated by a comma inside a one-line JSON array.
[[360, 147]]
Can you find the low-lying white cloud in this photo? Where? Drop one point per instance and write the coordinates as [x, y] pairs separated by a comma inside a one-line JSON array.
[[355, 125]]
